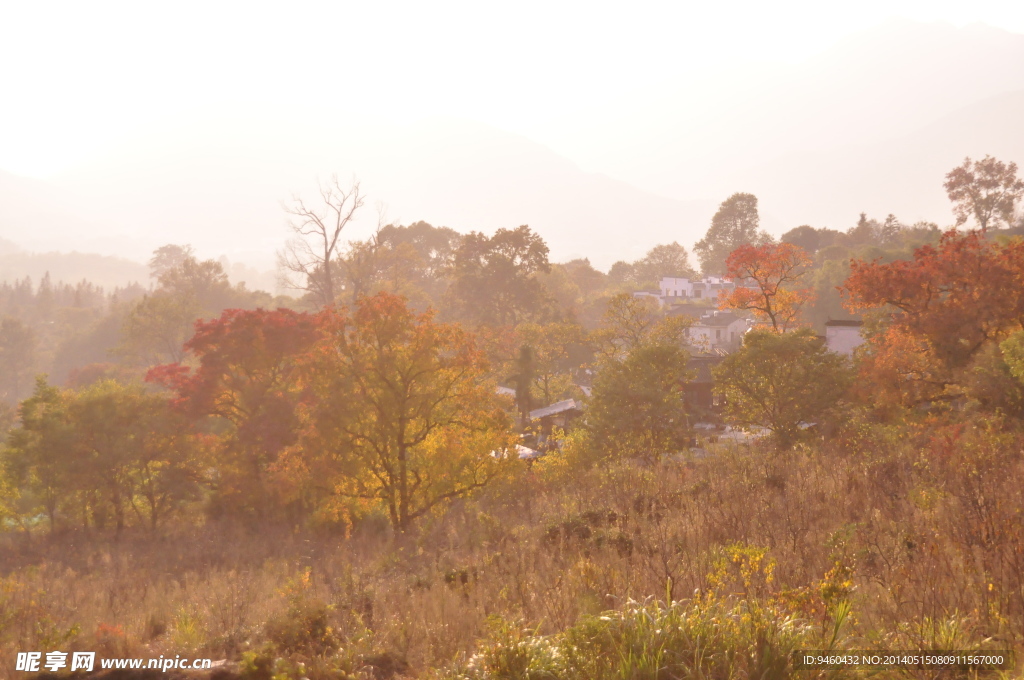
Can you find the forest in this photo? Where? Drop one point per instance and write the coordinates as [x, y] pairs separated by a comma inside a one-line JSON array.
[[363, 479]]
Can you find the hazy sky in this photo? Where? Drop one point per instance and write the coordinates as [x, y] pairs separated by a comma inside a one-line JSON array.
[[78, 77]]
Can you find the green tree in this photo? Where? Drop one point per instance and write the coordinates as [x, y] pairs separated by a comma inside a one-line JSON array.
[[630, 322], [1013, 354], [168, 257], [157, 326], [132, 451], [735, 224], [669, 259], [781, 381], [493, 279], [558, 350], [17, 358], [810, 239], [40, 452], [987, 190], [638, 406]]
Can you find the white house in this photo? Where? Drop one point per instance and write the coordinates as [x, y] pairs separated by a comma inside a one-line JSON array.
[[710, 287], [842, 337], [719, 330]]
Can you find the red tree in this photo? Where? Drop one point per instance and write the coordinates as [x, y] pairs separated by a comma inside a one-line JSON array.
[[246, 381], [947, 304]]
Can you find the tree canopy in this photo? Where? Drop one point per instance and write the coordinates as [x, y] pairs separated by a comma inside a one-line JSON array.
[[736, 223]]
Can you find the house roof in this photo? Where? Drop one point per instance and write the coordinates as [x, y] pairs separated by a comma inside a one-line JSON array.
[[554, 409], [526, 453], [844, 322], [718, 319]]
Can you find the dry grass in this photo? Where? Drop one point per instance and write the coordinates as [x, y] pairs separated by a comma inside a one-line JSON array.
[[922, 532]]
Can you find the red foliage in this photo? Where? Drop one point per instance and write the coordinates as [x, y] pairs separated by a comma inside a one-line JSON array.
[[247, 375], [956, 296]]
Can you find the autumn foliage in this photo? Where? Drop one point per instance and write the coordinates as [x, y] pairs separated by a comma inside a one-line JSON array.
[[399, 413], [940, 309], [245, 382], [332, 414], [773, 271]]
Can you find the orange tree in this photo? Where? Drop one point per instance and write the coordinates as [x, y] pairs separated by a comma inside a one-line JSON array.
[[774, 270], [401, 415], [938, 311]]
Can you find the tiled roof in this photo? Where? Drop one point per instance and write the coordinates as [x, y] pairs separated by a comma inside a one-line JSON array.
[[720, 319], [554, 409]]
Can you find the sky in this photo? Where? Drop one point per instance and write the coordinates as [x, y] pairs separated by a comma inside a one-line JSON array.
[[80, 78]]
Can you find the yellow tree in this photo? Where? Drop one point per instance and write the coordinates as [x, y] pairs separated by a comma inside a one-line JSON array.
[[401, 413]]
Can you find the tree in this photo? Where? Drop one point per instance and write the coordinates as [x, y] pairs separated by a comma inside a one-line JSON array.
[[40, 451], [132, 450], [401, 412], [810, 239], [630, 322], [311, 254], [735, 224], [663, 260], [246, 382], [557, 351], [17, 358], [987, 190], [493, 278], [781, 381], [156, 327], [948, 302], [166, 258], [638, 405], [525, 372], [774, 270], [412, 261], [203, 281]]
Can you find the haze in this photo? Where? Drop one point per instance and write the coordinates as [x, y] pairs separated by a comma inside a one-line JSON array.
[[606, 128]]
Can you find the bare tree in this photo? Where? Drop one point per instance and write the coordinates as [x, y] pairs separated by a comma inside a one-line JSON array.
[[308, 261]]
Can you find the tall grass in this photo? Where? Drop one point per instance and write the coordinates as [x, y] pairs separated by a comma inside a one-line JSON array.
[[711, 568]]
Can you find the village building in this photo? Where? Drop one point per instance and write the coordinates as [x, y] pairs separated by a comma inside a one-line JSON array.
[[719, 331], [699, 392], [843, 336], [557, 415], [676, 289]]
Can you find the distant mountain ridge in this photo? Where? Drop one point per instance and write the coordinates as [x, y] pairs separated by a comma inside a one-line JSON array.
[[872, 124]]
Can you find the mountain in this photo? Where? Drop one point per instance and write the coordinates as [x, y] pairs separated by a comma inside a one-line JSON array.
[[902, 176], [872, 124], [220, 187], [696, 139], [102, 270]]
